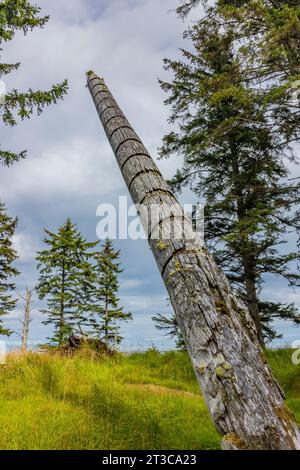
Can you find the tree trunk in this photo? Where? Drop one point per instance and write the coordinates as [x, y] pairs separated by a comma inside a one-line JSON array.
[[252, 299], [62, 308], [244, 400], [26, 321], [247, 259], [106, 338]]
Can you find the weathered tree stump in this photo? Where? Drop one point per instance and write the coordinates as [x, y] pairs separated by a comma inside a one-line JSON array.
[[245, 401]]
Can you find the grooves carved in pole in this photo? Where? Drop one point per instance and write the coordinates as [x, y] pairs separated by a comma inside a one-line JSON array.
[[245, 401]]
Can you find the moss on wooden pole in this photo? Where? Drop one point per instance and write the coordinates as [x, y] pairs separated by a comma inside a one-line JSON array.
[[246, 403]]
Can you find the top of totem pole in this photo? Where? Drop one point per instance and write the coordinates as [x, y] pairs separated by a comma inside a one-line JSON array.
[[91, 76]]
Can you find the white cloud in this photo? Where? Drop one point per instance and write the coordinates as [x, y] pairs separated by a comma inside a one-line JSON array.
[[283, 294], [150, 303], [129, 284], [76, 169], [24, 246]]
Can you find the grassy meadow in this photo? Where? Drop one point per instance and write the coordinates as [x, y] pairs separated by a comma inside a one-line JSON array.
[[137, 401]]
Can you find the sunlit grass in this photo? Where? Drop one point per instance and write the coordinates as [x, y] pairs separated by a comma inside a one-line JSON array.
[[138, 401]]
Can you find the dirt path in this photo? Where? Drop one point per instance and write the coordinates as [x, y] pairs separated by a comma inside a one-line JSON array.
[[160, 390]]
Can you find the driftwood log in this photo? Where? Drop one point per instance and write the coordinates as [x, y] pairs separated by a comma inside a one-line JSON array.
[[245, 401]]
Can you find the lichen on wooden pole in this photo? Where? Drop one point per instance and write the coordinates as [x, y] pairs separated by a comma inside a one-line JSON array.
[[245, 401]]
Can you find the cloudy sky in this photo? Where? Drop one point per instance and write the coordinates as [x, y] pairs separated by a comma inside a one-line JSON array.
[[70, 168]]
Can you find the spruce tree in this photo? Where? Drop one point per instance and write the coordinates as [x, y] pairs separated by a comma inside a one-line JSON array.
[[7, 271], [237, 164], [66, 280], [106, 310], [21, 15], [266, 35]]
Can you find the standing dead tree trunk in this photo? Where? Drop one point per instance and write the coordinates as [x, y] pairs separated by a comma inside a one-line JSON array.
[[26, 319], [244, 400]]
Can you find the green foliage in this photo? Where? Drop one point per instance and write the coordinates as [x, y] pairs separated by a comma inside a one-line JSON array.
[[7, 271], [21, 15], [170, 328], [104, 304], [270, 311], [236, 157], [66, 280], [186, 5], [26, 103], [266, 36], [80, 287]]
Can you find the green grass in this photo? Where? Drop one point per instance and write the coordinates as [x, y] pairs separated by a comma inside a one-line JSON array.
[[138, 401], [288, 376]]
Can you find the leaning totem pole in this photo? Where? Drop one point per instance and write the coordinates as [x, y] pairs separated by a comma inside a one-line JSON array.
[[245, 402]]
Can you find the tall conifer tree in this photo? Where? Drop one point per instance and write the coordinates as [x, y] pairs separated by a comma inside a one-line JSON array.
[[236, 163], [66, 280], [107, 314], [266, 36], [7, 271]]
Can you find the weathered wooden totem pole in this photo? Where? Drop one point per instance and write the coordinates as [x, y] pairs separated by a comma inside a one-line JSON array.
[[246, 403]]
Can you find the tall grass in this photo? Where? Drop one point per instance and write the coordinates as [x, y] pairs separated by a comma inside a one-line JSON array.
[[288, 376], [137, 401]]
